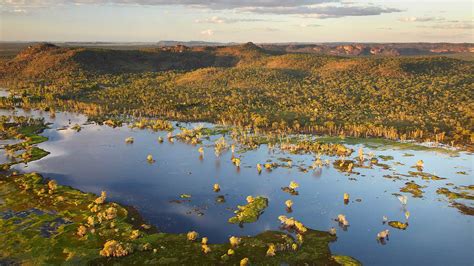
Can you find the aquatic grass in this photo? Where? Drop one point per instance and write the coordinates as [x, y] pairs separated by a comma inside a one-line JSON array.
[[398, 225], [413, 188], [250, 212], [28, 130]]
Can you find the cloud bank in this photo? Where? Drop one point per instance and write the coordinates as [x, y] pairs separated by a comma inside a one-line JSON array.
[[308, 8], [421, 19], [220, 20]]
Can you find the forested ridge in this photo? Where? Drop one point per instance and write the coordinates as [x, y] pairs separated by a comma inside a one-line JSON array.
[[421, 98]]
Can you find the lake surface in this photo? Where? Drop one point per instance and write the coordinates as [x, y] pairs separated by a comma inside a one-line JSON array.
[[97, 158]]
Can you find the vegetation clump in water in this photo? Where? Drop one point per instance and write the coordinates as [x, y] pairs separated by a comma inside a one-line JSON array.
[[413, 188], [452, 195], [456, 198], [316, 147], [291, 189], [344, 165], [220, 146], [398, 225], [386, 157], [153, 124], [292, 224], [425, 176], [192, 136], [346, 260], [250, 212], [26, 129]]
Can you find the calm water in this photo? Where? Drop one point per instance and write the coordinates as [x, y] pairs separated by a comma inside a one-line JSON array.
[[97, 158]]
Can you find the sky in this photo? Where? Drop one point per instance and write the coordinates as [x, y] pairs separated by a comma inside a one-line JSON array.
[[237, 21]]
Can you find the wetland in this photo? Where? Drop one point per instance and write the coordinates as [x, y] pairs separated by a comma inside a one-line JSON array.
[[175, 194]]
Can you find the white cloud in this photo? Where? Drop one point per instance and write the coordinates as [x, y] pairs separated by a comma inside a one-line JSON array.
[[213, 20], [305, 25], [420, 19], [207, 32], [440, 23], [269, 29], [22, 11], [457, 25], [220, 20]]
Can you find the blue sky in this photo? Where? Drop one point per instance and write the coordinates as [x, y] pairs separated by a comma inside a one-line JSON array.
[[237, 21]]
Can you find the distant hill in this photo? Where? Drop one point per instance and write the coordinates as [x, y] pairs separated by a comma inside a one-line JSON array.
[[47, 59], [193, 43], [374, 49], [50, 60], [339, 48], [350, 49]]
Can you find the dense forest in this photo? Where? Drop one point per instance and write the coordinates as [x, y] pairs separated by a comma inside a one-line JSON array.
[[422, 98]]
